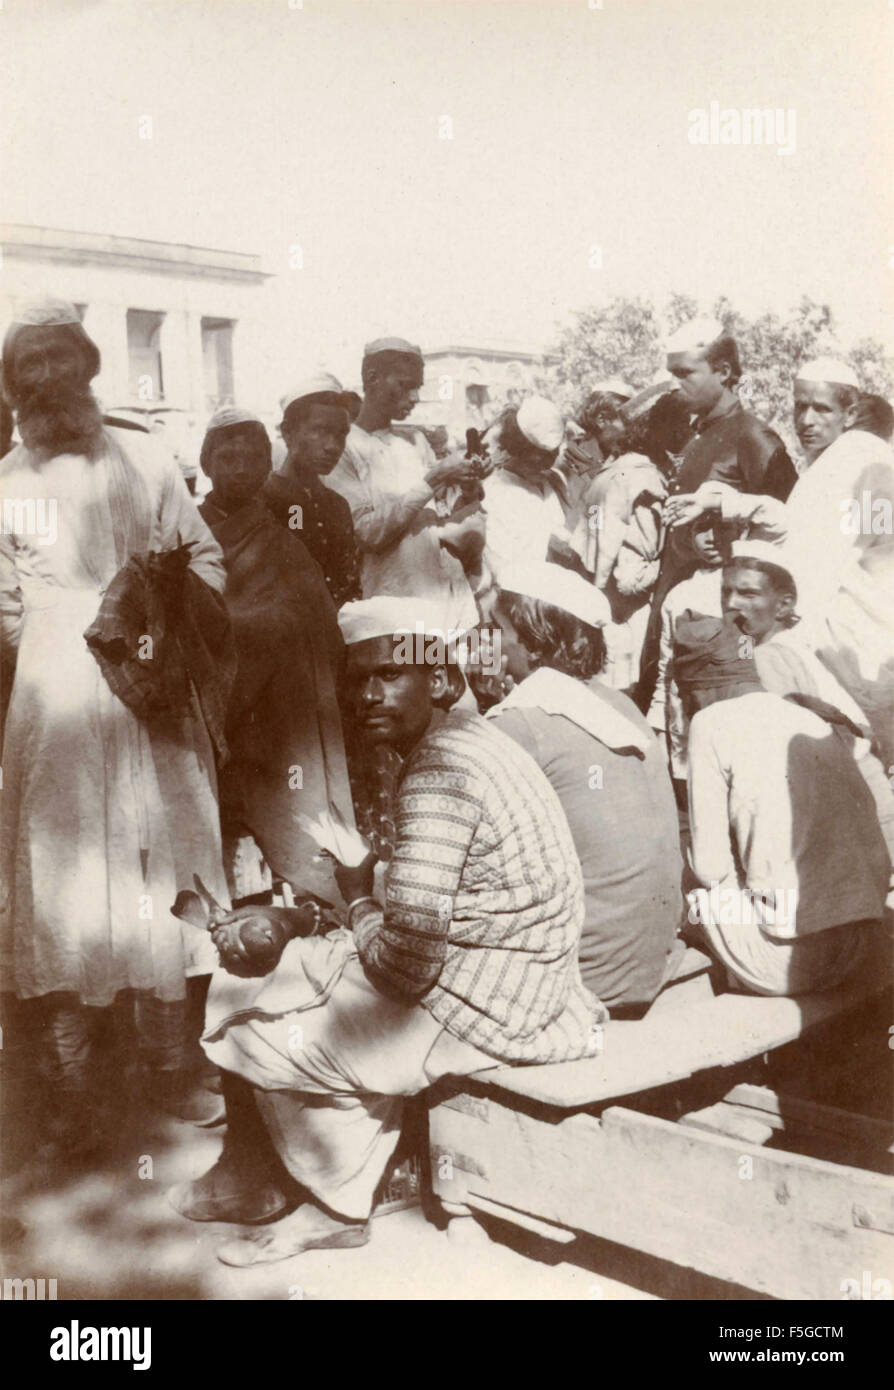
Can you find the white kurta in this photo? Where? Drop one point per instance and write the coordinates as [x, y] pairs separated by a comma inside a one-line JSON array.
[[382, 476], [101, 820], [838, 527]]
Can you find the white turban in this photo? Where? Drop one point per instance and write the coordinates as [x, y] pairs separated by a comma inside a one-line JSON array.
[[559, 587], [828, 369], [695, 336], [541, 422]]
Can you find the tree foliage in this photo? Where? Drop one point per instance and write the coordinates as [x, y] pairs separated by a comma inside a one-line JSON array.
[[625, 337]]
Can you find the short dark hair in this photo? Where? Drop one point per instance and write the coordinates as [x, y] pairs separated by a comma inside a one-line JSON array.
[[252, 429], [296, 411], [779, 577], [846, 396], [381, 363], [875, 414], [725, 349], [555, 638], [598, 403]]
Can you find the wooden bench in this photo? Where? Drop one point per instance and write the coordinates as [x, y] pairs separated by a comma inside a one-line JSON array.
[[685, 1168]]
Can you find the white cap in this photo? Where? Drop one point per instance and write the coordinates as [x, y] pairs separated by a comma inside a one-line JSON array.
[[541, 422], [311, 386], [560, 587], [392, 345], [770, 554], [614, 386], [830, 369], [393, 615], [694, 336]]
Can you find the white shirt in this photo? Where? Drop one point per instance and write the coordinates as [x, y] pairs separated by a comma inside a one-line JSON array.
[[382, 476]]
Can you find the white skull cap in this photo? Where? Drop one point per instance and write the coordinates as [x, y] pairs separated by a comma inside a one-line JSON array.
[[694, 336], [320, 383], [830, 369], [541, 422]]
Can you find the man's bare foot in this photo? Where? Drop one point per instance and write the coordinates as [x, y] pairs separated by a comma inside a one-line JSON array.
[[308, 1228]]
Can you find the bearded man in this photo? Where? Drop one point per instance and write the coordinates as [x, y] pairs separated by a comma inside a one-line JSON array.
[[104, 814]]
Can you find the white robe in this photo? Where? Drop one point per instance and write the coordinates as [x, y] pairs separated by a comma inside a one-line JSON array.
[[101, 820]]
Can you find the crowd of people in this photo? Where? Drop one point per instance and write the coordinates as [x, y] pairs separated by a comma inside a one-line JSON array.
[[395, 764]]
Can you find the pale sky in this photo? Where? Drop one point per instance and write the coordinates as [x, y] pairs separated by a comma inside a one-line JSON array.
[[570, 129]]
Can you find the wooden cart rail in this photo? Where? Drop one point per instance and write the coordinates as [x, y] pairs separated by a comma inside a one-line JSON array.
[[544, 1148]]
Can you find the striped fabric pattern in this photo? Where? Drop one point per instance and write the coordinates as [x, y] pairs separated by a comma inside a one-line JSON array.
[[484, 900]]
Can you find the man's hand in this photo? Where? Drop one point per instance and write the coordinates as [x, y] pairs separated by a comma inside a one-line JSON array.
[[682, 508], [357, 882], [465, 539], [251, 940], [456, 468]]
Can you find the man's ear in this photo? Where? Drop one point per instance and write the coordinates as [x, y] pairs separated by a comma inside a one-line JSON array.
[[850, 415], [723, 369], [438, 682], [785, 606]]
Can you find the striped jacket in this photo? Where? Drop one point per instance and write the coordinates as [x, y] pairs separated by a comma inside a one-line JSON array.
[[484, 900]]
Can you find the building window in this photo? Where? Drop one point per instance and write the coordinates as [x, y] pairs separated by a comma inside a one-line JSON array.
[[144, 354], [217, 359]]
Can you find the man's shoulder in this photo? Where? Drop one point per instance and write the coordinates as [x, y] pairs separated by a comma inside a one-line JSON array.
[[144, 451], [469, 739], [752, 427]]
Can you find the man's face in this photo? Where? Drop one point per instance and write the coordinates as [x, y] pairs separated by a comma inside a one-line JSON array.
[[396, 391], [704, 543], [238, 467], [391, 702], [318, 440], [819, 418], [749, 593], [609, 429], [701, 385], [57, 411]]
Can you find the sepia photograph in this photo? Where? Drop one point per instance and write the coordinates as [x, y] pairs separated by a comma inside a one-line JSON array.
[[447, 663]]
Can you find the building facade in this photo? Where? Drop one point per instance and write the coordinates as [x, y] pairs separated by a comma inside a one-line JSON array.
[[467, 387], [180, 328]]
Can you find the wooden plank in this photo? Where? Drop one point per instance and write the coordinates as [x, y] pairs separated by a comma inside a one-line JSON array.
[[656, 1051], [796, 1228], [807, 1114], [725, 1119]]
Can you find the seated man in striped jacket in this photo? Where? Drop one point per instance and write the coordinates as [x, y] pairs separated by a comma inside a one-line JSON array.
[[471, 959]]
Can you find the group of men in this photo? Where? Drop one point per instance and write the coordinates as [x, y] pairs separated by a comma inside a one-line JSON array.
[[680, 732]]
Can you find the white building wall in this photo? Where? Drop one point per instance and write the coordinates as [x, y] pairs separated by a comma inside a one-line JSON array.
[[109, 291]]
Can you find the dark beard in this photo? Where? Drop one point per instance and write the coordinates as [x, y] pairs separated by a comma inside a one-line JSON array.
[[61, 419]]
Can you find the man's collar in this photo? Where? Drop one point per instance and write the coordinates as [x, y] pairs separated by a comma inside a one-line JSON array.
[[716, 415]]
